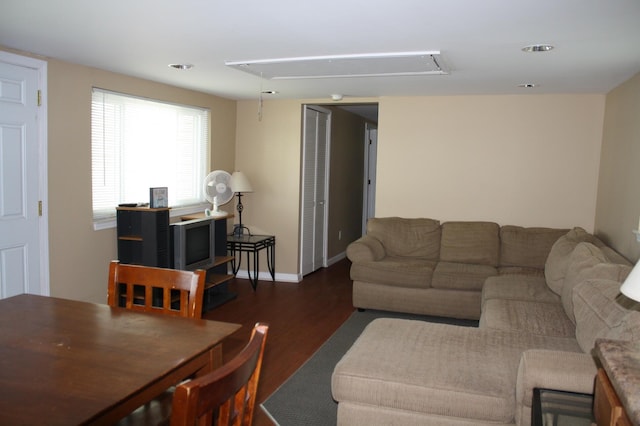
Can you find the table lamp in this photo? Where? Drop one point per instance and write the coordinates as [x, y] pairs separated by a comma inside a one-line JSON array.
[[240, 184]]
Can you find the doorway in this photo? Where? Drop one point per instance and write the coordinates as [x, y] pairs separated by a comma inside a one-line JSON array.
[[370, 161], [348, 185], [24, 241]]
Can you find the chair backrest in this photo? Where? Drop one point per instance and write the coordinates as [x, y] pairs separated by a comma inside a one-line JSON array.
[[150, 289], [227, 394]]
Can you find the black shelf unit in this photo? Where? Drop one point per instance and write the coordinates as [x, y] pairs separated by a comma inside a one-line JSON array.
[[143, 236], [216, 290], [218, 277]]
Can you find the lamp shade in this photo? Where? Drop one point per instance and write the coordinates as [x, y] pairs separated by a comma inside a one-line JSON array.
[[240, 183], [631, 286]]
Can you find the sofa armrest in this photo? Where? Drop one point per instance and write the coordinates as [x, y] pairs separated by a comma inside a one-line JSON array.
[[559, 370], [366, 248]]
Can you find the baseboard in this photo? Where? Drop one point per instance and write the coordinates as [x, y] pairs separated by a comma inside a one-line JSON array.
[[337, 258], [266, 276], [288, 278]]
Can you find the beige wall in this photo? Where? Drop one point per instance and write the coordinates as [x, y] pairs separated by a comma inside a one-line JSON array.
[[78, 254], [268, 153], [618, 210], [524, 160]]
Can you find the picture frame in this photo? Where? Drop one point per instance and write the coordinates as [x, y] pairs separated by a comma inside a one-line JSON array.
[[158, 197]]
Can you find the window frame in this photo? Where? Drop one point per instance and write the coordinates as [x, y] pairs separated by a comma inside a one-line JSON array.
[[109, 221]]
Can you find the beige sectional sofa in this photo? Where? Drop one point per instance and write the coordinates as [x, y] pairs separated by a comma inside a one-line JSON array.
[[536, 329], [421, 266]]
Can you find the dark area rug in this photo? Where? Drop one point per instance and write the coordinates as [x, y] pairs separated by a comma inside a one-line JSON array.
[[305, 398]]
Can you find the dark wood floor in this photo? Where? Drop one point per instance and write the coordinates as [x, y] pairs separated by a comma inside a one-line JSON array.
[[301, 317]]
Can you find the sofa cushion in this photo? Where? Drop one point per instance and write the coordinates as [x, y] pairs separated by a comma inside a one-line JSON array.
[[602, 312], [518, 287], [407, 237], [543, 319], [527, 246], [461, 276], [555, 267], [395, 271], [439, 369], [470, 242], [586, 262], [520, 270]]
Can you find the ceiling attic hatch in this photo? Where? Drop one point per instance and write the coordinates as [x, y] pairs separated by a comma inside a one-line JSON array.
[[341, 66]]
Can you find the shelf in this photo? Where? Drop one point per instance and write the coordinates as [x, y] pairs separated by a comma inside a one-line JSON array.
[[130, 238], [202, 216], [217, 279], [221, 260], [143, 209]]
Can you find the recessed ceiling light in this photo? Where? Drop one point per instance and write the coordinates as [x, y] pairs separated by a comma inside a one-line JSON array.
[[528, 85], [537, 48], [182, 67]]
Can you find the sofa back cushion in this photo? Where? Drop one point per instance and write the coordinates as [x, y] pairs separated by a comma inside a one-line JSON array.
[[555, 267], [407, 237], [470, 242], [528, 247], [588, 262], [602, 312]]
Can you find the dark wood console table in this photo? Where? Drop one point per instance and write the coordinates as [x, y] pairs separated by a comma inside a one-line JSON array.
[[252, 244]]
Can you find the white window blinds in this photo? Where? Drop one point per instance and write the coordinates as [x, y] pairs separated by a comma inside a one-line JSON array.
[[139, 143]]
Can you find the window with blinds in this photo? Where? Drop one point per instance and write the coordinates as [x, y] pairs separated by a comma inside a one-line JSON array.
[[137, 144]]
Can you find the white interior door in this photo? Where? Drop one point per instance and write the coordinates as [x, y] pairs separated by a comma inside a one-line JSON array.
[[22, 223], [314, 188]]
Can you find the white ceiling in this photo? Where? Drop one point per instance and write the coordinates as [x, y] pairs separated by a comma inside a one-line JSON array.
[[597, 42]]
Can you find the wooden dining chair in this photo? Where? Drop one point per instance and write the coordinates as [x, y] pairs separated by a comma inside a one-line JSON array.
[[226, 395], [150, 289]]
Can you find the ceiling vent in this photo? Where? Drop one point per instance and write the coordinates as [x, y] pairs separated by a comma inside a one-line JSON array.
[[341, 66]]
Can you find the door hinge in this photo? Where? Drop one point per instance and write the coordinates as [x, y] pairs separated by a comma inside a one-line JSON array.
[[39, 208], [39, 97]]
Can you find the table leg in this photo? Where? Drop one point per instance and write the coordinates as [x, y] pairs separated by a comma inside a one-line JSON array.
[[271, 261], [235, 266], [254, 280]]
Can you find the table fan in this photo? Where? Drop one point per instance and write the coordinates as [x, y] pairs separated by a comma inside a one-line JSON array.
[[217, 191]]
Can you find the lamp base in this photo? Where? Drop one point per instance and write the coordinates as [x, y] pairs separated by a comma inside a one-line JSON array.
[[238, 230]]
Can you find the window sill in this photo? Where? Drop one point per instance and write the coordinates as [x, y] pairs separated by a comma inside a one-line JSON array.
[[108, 223]]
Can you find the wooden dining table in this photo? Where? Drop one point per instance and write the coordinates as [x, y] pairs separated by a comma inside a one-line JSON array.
[[65, 362]]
